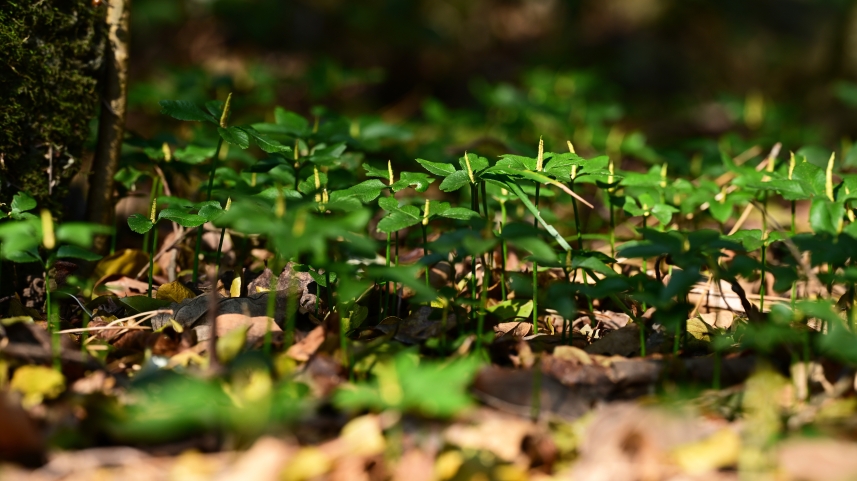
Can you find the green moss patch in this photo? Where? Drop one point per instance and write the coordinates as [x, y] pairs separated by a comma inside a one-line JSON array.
[[50, 54]]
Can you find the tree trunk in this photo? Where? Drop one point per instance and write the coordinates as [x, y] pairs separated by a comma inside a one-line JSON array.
[[111, 125]]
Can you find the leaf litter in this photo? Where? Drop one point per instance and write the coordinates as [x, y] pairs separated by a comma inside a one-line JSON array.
[[259, 375]]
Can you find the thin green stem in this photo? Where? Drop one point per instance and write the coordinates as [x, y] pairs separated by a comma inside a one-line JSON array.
[[343, 329], [504, 251], [328, 291], [53, 322], [576, 218], [213, 169], [762, 278], [153, 194], [386, 293], [764, 254], [199, 232], [484, 198], [291, 313], [443, 320], [425, 251], [536, 271], [219, 251], [612, 228], [579, 230], [483, 307], [637, 321], [536, 203], [535, 297], [152, 258], [271, 308], [474, 206], [396, 284], [645, 261], [793, 231]]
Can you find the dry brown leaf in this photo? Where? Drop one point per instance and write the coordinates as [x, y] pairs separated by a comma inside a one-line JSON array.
[[212, 240], [95, 382], [423, 323], [122, 286], [261, 283], [290, 278], [257, 326], [511, 390], [264, 461], [628, 442], [590, 380], [571, 353], [612, 320], [349, 468], [414, 465], [622, 342], [514, 329], [306, 347], [500, 434], [818, 460], [721, 319], [108, 462]]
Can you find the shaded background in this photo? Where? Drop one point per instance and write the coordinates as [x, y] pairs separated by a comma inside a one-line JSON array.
[[653, 79]]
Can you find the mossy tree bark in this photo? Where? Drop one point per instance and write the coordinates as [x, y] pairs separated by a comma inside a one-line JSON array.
[[111, 125], [50, 54]]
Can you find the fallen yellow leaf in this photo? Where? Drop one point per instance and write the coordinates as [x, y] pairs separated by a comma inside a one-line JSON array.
[[175, 291], [126, 262], [235, 288], [719, 450], [363, 437], [307, 464], [37, 383]]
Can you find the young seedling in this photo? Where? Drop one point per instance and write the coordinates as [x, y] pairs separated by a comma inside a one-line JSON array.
[[218, 113], [180, 214], [21, 238]]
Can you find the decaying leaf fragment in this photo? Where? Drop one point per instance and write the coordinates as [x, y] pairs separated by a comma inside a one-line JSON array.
[[37, 383]]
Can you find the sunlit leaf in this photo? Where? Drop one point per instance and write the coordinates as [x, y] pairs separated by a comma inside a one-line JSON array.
[[438, 168], [139, 223], [235, 136], [455, 181], [182, 217]]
